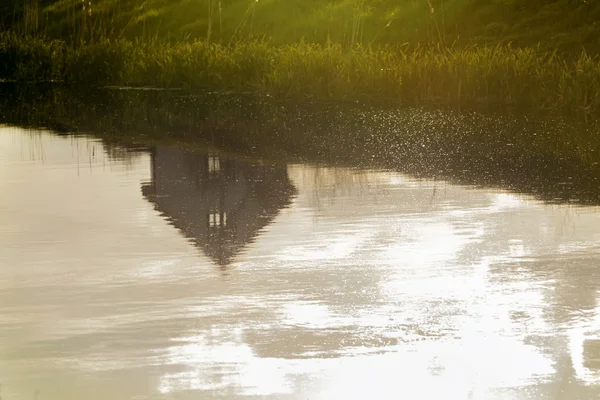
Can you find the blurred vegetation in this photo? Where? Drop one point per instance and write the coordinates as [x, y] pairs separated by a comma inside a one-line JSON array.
[[563, 25]]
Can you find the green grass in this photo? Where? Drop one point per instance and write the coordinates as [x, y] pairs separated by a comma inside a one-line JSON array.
[[395, 75], [534, 53]]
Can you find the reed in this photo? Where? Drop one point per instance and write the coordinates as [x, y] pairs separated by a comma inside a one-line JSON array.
[[434, 74]]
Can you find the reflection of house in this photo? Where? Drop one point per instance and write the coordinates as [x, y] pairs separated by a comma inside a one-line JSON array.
[[219, 203]]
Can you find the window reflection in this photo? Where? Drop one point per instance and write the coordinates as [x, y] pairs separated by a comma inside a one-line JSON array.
[[217, 219], [214, 163]]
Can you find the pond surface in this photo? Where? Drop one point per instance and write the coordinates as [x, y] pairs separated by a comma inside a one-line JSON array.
[[166, 273]]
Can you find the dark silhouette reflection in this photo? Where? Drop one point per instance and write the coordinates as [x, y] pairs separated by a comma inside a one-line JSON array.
[[554, 158], [220, 203]]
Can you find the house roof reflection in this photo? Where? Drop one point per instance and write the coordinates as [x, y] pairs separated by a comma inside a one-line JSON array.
[[219, 203]]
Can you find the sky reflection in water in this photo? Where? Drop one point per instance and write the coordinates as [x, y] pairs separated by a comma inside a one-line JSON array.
[[162, 273]]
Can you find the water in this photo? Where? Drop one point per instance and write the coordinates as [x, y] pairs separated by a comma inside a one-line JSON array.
[[165, 273]]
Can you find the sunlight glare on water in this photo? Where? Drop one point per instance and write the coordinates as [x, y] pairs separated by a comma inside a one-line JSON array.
[[163, 273]]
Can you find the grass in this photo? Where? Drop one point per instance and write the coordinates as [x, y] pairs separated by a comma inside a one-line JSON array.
[[539, 54], [497, 74]]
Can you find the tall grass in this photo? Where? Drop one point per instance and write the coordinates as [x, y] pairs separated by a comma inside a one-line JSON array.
[[483, 74]]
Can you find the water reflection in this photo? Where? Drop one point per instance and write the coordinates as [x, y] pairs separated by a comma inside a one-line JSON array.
[[219, 203], [370, 284], [551, 157]]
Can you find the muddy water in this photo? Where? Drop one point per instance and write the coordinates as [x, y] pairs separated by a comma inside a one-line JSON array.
[[162, 273]]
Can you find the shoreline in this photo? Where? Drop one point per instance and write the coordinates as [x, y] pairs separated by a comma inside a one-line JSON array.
[[500, 75]]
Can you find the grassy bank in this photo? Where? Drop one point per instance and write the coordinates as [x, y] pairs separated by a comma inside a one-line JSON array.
[[396, 75]]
